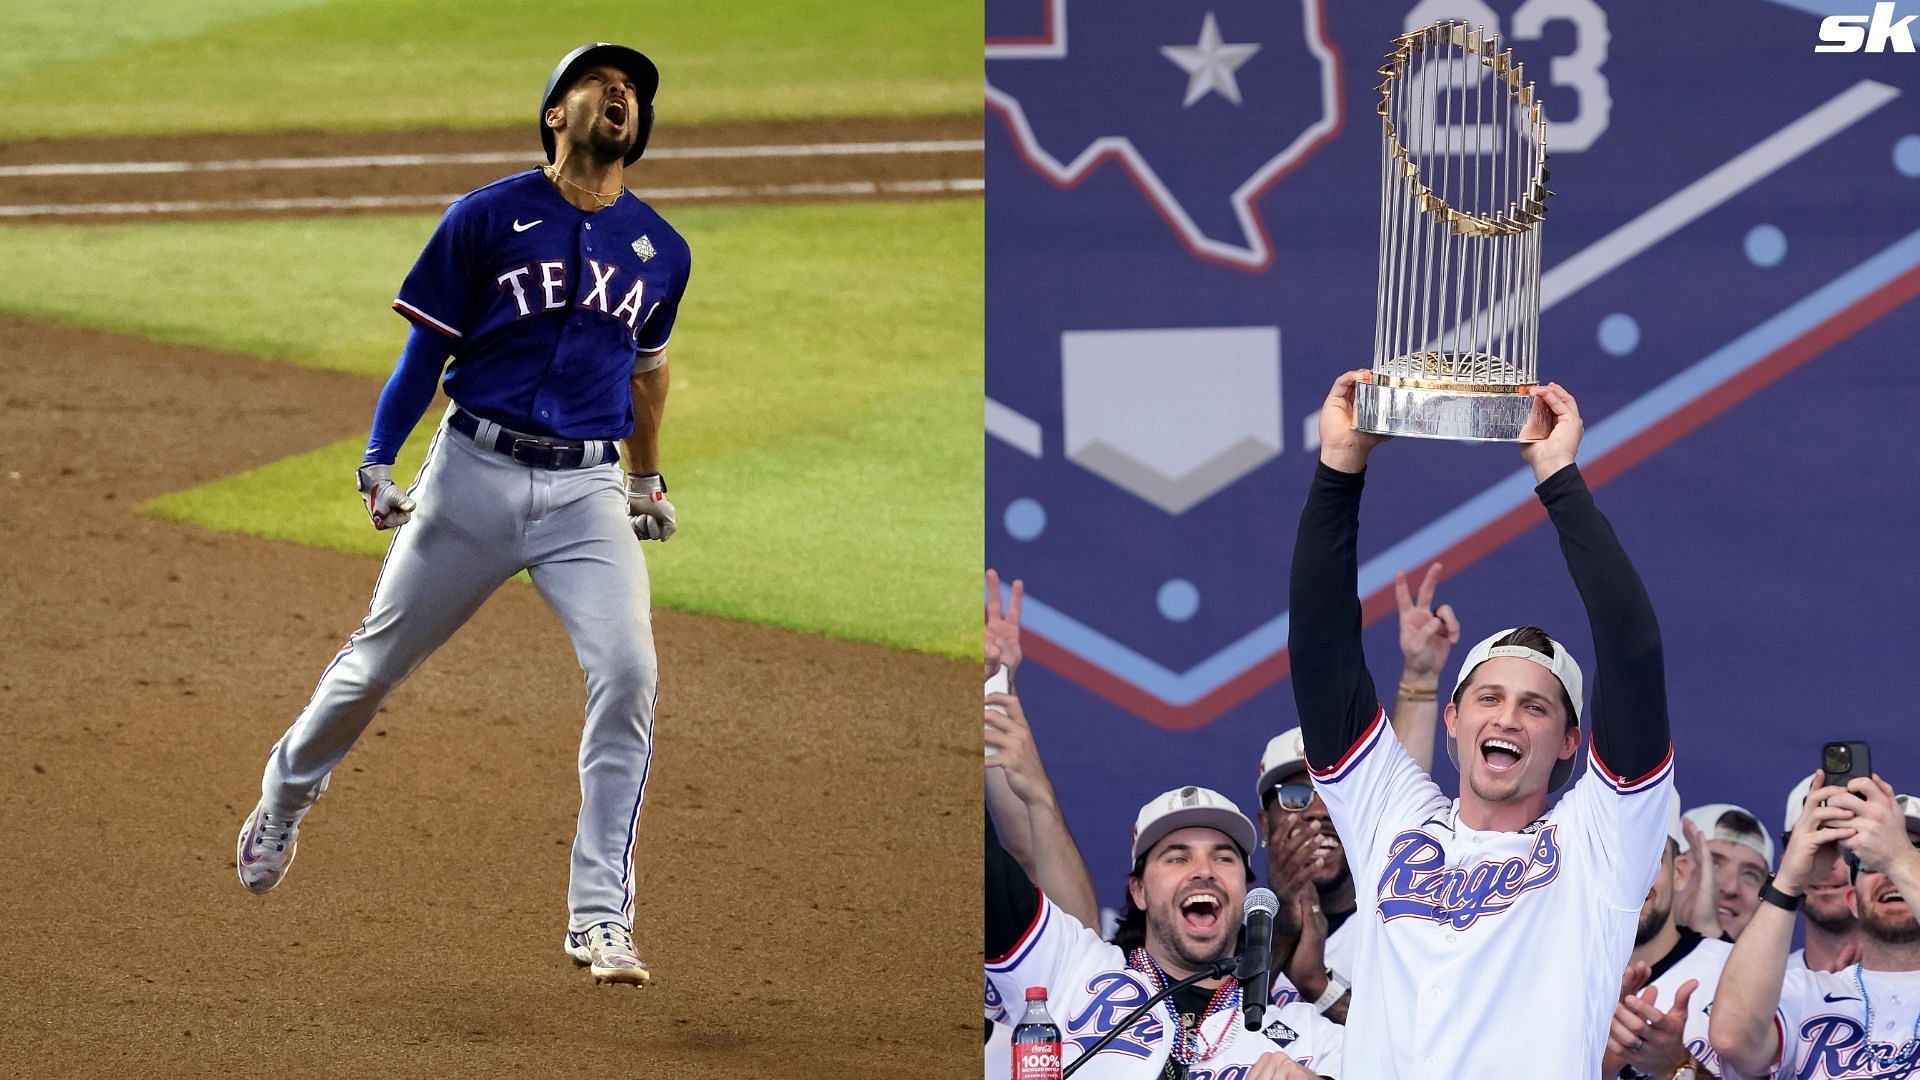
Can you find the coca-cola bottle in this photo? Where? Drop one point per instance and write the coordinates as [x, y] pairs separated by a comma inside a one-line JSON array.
[[1036, 1042]]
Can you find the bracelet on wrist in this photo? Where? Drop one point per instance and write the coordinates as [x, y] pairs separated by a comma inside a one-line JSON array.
[[1410, 692]]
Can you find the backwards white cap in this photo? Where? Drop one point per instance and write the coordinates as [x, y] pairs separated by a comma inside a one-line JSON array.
[[1560, 664], [1188, 807], [1797, 804], [1707, 820]]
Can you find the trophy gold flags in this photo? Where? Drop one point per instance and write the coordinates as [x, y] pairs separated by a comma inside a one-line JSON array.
[[1462, 196]]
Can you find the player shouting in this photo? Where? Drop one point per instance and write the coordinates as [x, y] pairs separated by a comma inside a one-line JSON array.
[[1189, 878], [1493, 932], [555, 291]]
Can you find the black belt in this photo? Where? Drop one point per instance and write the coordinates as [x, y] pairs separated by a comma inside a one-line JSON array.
[[533, 451]]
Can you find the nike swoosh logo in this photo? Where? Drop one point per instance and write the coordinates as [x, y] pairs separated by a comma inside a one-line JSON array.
[[517, 227], [1840, 997], [247, 857]]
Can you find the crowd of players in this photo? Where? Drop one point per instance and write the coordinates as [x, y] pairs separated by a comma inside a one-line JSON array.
[[1704, 902], [1711, 986]]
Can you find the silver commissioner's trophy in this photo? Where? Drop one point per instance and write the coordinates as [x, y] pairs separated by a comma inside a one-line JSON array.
[[1463, 174]]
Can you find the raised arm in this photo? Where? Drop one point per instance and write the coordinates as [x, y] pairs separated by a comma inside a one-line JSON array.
[[1427, 635], [1019, 791], [1011, 900], [1628, 702], [1741, 1026], [1332, 688]]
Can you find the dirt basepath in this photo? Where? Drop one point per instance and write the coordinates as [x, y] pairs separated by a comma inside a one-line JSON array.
[[809, 882], [251, 175]]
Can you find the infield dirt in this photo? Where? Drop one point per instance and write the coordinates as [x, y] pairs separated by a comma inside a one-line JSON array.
[[808, 883]]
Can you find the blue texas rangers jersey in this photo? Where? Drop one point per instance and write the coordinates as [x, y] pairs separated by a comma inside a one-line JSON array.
[[547, 305]]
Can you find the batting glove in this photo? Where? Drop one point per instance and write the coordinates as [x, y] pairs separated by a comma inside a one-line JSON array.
[[387, 506], [648, 510]]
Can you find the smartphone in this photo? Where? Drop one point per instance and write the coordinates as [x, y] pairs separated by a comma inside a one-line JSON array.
[[996, 684], [1845, 761]]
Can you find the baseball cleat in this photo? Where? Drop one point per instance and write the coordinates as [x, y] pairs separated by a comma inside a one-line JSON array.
[[268, 840], [608, 950]]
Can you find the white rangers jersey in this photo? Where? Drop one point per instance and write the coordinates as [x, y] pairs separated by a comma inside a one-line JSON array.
[[1463, 932], [1090, 989], [1822, 1022], [1702, 963]]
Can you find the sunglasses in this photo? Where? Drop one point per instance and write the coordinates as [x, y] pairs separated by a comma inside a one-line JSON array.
[[1294, 795]]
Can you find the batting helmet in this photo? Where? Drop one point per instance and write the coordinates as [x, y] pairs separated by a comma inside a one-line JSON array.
[[646, 81]]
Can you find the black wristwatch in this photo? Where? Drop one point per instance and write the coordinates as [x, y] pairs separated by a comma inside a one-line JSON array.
[[1779, 899]]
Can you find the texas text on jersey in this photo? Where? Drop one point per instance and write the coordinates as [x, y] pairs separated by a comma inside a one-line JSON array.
[[547, 304]]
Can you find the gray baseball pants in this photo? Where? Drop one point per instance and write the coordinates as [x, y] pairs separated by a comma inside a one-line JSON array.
[[480, 518]]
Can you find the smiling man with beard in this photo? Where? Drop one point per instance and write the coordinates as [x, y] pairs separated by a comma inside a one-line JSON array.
[[1492, 931], [1190, 875], [1862, 1021]]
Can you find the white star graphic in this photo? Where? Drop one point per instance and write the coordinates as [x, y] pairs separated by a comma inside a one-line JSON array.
[[1210, 64]]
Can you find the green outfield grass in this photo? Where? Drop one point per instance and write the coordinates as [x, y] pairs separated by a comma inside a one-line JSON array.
[[170, 66], [823, 431]]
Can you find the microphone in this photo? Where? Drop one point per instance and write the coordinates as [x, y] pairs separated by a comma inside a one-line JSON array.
[[1256, 958]]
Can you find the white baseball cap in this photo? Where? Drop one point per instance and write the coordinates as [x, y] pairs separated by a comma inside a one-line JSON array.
[[1286, 754], [1191, 807], [1910, 806], [1707, 818], [1797, 802], [1562, 666]]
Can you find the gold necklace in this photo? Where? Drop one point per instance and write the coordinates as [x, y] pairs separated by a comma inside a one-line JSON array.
[[610, 197]]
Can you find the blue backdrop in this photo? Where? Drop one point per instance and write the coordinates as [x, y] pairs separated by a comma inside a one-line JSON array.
[[1181, 234]]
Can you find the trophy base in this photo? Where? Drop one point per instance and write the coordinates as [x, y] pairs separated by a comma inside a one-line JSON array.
[[1451, 412]]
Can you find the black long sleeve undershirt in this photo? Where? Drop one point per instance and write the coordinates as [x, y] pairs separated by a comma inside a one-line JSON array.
[[1012, 900], [1627, 702], [1332, 689], [1334, 693]]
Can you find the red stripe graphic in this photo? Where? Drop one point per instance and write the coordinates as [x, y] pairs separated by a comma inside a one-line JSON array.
[[1265, 673]]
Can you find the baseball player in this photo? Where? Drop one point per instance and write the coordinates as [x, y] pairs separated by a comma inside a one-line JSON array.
[[1660, 1025], [1739, 858], [1303, 848], [1770, 1019], [1190, 875], [1486, 913], [554, 290], [1832, 933]]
